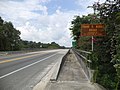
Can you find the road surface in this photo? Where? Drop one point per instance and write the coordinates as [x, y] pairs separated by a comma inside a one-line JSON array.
[[24, 71]]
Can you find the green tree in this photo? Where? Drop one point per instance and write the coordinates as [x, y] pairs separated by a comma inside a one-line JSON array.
[[9, 36], [1, 35], [106, 49], [109, 13], [54, 45]]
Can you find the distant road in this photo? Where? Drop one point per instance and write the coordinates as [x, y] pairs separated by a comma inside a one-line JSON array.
[[24, 71]]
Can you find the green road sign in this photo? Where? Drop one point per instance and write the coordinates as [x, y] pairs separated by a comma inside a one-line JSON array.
[[74, 44]]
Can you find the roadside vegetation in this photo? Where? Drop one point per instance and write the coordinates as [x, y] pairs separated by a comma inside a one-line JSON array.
[[10, 39], [106, 55]]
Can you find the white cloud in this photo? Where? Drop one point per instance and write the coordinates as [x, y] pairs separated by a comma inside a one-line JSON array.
[[57, 29], [22, 9], [85, 3], [38, 26], [32, 19]]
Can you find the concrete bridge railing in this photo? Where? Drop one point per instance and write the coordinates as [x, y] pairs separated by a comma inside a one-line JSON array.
[[85, 63]]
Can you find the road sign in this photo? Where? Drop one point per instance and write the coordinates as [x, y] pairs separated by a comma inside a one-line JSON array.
[[74, 44], [93, 30]]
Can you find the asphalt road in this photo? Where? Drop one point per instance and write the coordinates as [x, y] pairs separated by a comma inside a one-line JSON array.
[[24, 71]]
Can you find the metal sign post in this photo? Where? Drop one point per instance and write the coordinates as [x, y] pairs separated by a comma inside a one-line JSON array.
[[92, 44]]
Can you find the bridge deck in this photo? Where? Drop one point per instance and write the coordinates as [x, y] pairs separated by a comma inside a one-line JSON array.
[[71, 77]]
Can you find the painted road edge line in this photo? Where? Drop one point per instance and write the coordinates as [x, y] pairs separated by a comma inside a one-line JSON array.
[[25, 67]]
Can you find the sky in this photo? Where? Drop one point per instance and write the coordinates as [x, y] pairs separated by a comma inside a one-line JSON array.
[[44, 21]]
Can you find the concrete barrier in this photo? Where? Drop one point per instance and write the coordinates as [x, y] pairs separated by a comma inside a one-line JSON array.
[[83, 62], [58, 68], [22, 51], [3, 53], [56, 71]]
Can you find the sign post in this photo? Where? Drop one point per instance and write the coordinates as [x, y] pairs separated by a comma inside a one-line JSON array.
[[92, 30], [92, 44]]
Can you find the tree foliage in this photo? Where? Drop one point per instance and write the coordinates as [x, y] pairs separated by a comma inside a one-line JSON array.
[[106, 49], [9, 36], [109, 12], [32, 45]]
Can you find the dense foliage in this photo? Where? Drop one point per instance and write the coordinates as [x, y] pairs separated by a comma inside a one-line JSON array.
[[106, 55], [109, 13], [9, 36]]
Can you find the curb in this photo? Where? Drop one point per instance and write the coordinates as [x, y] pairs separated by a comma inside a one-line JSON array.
[[45, 79], [58, 68]]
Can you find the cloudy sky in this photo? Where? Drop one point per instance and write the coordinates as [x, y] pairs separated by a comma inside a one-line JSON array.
[[44, 20]]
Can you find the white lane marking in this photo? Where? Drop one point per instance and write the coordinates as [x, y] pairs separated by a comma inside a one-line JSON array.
[[25, 67]]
